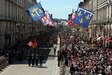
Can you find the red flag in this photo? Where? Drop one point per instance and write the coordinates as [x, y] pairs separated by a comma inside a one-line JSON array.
[[70, 22], [34, 45], [107, 40], [71, 18]]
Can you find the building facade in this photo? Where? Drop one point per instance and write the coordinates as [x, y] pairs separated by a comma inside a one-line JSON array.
[[15, 24], [101, 24]]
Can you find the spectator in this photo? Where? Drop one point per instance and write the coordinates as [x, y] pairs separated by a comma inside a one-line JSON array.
[[72, 70], [29, 59], [33, 58], [55, 46], [36, 59], [41, 60]]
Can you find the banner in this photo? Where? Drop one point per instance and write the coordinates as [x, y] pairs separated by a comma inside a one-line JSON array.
[[36, 12], [47, 20], [83, 17]]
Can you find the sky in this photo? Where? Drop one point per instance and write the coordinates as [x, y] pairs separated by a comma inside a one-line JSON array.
[[60, 8]]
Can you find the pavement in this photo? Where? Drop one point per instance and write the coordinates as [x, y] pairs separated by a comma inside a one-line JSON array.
[[67, 70], [50, 66]]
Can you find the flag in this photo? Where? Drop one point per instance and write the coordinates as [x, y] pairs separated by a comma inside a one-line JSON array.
[[36, 12], [29, 44], [70, 21], [34, 44], [66, 24], [46, 20], [73, 15], [107, 40], [71, 18], [83, 17], [51, 23], [41, 6]]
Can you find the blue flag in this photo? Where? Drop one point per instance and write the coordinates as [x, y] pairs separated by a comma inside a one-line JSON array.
[[83, 17], [41, 6], [36, 12]]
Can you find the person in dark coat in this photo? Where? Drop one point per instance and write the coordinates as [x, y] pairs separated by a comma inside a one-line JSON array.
[[41, 60], [72, 70], [59, 58], [36, 58], [33, 58], [29, 60]]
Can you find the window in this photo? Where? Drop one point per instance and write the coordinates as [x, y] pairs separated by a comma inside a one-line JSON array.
[[90, 6], [10, 10], [95, 16], [17, 12], [13, 11], [94, 5], [102, 13], [101, 1], [5, 8], [111, 10]]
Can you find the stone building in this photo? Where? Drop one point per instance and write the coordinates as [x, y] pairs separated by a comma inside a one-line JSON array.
[[102, 19], [15, 24]]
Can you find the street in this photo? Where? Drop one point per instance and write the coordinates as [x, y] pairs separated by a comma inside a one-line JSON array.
[[49, 68]]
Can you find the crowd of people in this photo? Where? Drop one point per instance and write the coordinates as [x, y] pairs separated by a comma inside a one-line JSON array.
[[3, 62], [12, 54], [84, 58]]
